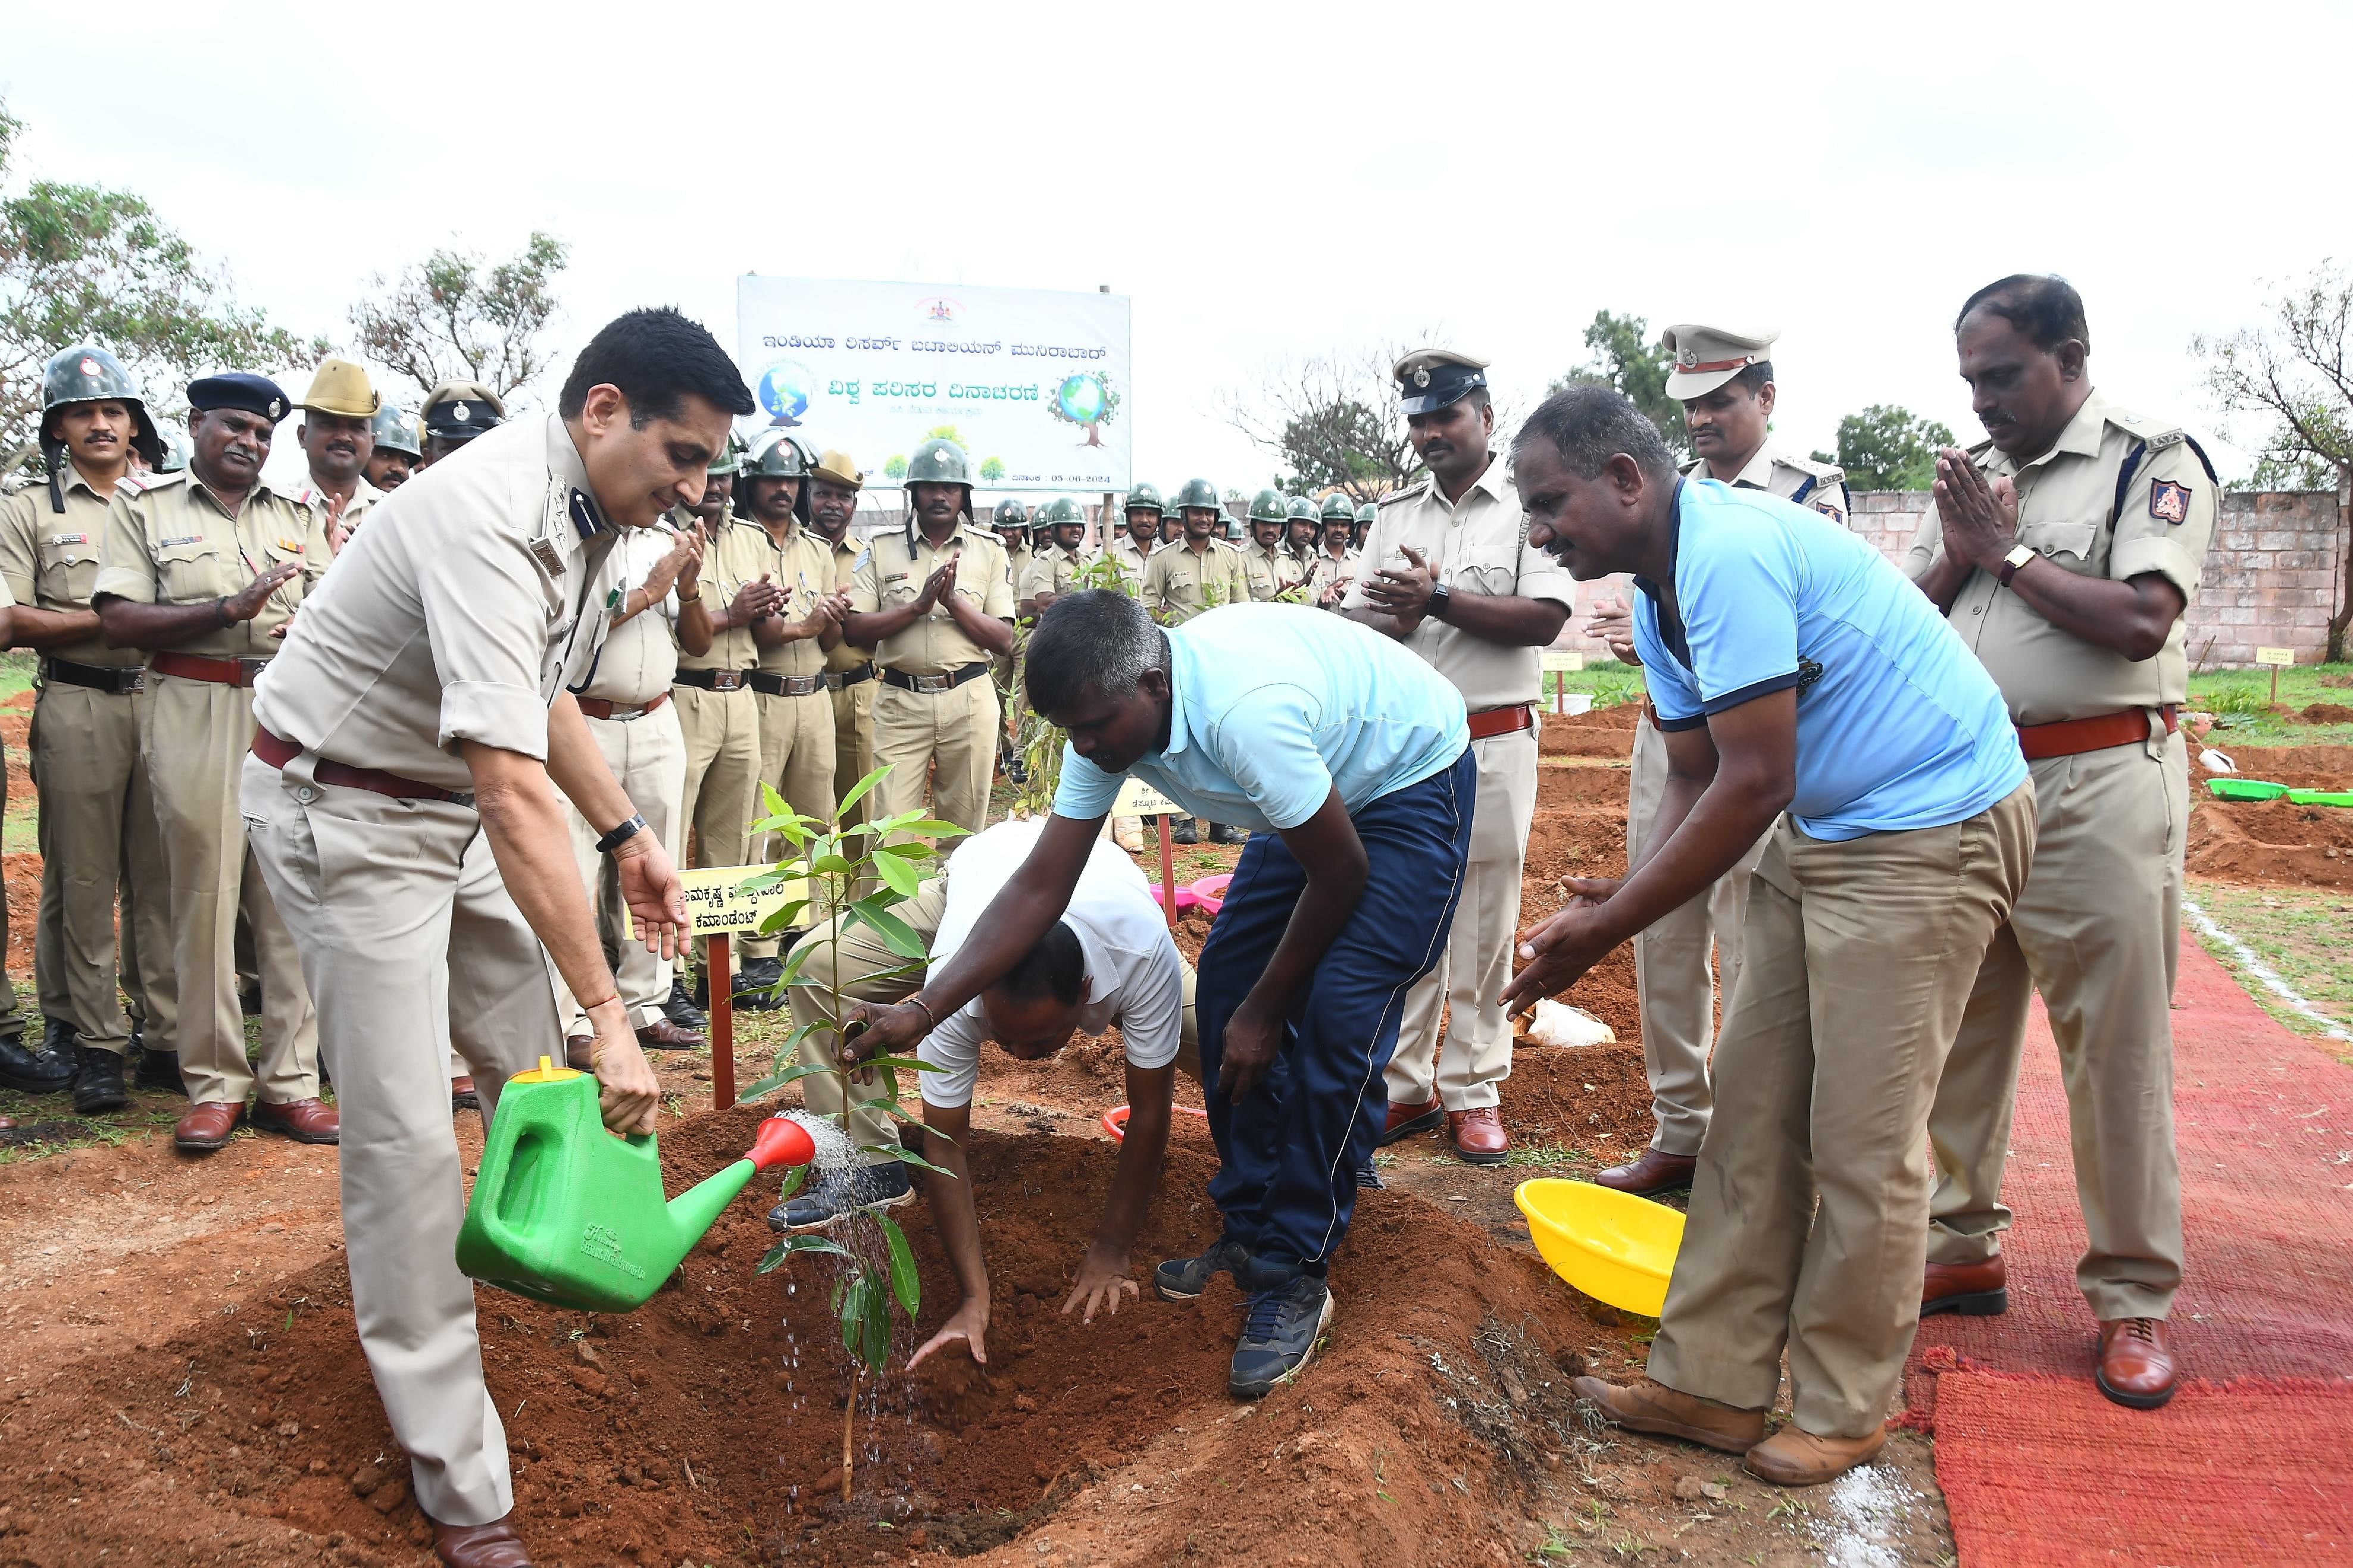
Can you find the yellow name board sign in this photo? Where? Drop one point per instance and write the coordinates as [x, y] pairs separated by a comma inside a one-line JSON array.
[[1555, 660], [714, 905], [2281, 656], [1137, 798]]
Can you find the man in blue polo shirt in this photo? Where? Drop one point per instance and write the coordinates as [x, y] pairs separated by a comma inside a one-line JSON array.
[[1349, 758], [1793, 670]]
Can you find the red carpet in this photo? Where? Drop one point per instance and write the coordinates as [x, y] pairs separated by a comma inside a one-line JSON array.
[[2249, 1464]]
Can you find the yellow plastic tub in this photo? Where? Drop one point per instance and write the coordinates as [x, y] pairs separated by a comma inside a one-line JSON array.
[[1613, 1247]]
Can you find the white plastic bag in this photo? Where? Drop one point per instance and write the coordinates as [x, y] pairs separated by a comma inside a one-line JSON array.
[[1558, 1023]]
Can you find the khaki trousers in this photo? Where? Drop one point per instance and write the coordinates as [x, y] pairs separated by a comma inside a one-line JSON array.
[[410, 942], [949, 735], [1861, 957], [1673, 985], [100, 846], [860, 964], [1469, 980], [196, 737], [648, 755], [722, 733], [795, 761], [853, 742], [2097, 933]]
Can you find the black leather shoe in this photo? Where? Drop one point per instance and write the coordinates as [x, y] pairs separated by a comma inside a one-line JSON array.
[[37, 1071], [1224, 833], [161, 1071], [681, 1010], [98, 1082], [1181, 832], [754, 987]]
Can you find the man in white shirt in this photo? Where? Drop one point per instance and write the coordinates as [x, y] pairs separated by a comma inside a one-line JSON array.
[[1108, 961]]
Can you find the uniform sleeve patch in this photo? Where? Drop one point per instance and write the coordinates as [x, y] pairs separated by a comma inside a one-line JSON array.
[[1828, 510], [2168, 501]]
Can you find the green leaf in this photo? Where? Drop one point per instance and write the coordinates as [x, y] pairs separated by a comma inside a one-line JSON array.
[[910, 1063], [831, 866], [794, 1178], [877, 1327], [775, 1257], [890, 1108], [896, 934], [858, 792], [907, 1157], [929, 827], [853, 1316], [895, 871], [903, 1281], [781, 1077], [816, 1244], [775, 804]]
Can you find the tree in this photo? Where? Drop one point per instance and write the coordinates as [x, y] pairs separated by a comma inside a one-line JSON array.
[[87, 264], [1333, 421], [447, 318], [1627, 358], [2290, 375], [1887, 448], [1087, 400]]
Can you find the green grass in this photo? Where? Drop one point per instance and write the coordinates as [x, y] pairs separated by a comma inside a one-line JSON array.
[[18, 667], [2305, 934], [2241, 702], [1608, 682]]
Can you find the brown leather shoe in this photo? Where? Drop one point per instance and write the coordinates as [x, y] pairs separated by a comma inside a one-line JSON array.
[[491, 1545], [304, 1121], [1656, 1172], [2136, 1366], [1790, 1457], [579, 1052], [1664, 1412], [1479, 1136], [1405, 1121], [663, 1035], [1972, 1289], [204, 1127], [463, 1095]]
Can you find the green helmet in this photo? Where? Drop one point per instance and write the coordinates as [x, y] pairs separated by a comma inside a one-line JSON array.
[[939, 462], [396, 430], [730, 460], [87, 374], [174, 456], [1144, 498], [1366, 514], [1267, 506], [1337, 508], [775, 455], [1197, 492], [1062, 510], [1298, 506], [1009, 513]]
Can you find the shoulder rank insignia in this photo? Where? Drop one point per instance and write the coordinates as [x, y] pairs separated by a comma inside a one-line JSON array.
[[2168, 501], [549, 554]]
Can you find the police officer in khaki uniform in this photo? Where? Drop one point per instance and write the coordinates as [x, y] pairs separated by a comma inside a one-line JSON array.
[[1199, 572], [1726, 382], [1057, 567], [626, 704], [1361, 526], [205, 569], [338, 436], [797, 727], [1331, 571], [1303, 527], [720, 597], [1132, 550], [421, 704], [2066, 550], [833, 488], [934, 600], [1010, 522], [455, 412], [1270, 567], [399, 444], [99, 838], [1455, 580]]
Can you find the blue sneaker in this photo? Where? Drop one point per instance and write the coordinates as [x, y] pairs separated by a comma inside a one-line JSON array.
[[840, 1192], [1280, 1336], [1184, 1278]]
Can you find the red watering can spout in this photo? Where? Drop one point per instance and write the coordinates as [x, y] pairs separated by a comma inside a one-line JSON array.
[[782, 1142]]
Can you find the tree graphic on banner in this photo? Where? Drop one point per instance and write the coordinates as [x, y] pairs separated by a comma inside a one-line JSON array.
[[1087, 401]]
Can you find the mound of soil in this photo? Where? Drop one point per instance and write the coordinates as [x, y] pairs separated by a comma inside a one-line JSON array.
[[2326, 713], [1603, 732], [2275, 843], [707, 1426]]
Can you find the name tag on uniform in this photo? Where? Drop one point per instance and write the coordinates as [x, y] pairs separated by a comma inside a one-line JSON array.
[[70, 539], [895, 577], [183, 539]]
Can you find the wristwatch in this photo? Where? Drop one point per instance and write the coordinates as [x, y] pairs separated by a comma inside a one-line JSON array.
[[622, 832], [1438, 600], [2020, 554]]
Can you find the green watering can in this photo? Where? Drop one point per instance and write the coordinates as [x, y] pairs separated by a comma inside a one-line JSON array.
[[568, 1213]]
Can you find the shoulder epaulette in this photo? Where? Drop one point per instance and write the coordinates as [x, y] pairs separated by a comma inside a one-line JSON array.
[[141, 483], [1688, 469], [1413, 491], [1821, 473]]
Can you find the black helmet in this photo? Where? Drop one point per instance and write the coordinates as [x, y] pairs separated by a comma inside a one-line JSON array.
[[87, 374]]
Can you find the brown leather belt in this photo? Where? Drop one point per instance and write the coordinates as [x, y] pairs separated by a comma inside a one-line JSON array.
[[769, 685], [715, 679], [277, 751], [2073, 737], [948, 682], [843, 680], [599, 707], [115, 678], [219, 671], [1492, 721]]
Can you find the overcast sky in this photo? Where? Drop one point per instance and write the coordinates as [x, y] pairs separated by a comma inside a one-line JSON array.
[[1263, 181]]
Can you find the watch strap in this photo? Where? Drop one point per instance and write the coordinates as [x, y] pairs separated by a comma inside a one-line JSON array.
[[621, 834]]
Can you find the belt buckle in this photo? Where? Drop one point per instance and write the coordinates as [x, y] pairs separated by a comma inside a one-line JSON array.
[[248, 670], [832, 679], [726, 681], [131, 681], [935, 683], [800, 685]]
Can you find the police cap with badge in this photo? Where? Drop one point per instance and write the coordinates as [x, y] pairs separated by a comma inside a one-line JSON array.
[[457, 411], [1707, 357], [241, 391], [1430, 379]]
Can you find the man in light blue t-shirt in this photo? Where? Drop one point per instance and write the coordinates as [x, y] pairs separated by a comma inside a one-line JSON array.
[[1348, 759], [1794, 670]]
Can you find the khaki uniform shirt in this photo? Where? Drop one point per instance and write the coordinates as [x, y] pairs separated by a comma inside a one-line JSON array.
[[169, 542], [1053, 570], [846, 654], [641, 654], [739, 555], [1324, 569], [1821, 486], [1132, 562], [803, 567], [364, 497], [1476, 545], [462, 620], [49, 560], [1178, 584], [892, 571], [2069, 514], [1271, 573]]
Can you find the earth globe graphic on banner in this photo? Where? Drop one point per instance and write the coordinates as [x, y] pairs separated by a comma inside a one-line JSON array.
[[783, 389], [1081, 399]]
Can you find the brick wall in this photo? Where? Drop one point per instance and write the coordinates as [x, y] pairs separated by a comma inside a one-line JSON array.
[[2270, 578]]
